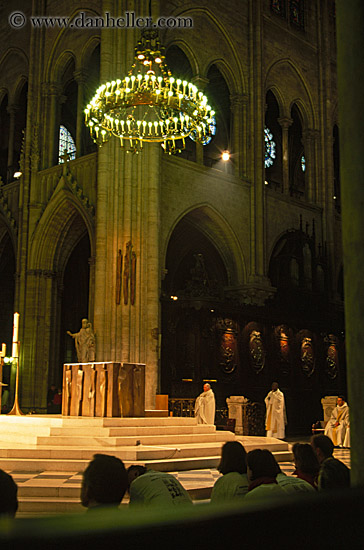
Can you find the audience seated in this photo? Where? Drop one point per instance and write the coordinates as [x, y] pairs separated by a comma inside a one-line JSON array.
[[307, 465], [291, 484], [149, 488], [233, 485], [262, 470], [104, 482], [333, 473], [8, 495]]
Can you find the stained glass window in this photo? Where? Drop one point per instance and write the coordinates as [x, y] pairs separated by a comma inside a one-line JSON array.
[[278, 7], [270, 148], [303, 163], [206, 139], [66, 145], [296, 13]]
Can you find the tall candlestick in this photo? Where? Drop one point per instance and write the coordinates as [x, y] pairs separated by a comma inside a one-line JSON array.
[[14, 352]]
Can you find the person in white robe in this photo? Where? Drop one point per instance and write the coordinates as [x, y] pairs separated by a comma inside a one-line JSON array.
[[276, 418], [337, 426], [205, 406]]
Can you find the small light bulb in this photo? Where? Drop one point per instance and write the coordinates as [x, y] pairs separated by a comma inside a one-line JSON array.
[[225, 156]]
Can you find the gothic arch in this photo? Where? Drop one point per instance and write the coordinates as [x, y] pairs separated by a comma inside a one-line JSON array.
[[239, 84], [87, 51], [64, 218], [59, 47], [217, 230], [14, 59], [186, 49], [284, 70]]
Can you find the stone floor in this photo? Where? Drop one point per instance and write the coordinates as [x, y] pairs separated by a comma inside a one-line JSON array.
[[69, 483]]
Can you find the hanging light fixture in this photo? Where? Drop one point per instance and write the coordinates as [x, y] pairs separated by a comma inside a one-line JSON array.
[[149, 105]]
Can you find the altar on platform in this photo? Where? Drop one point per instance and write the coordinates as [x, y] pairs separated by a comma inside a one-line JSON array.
[[108, 389]]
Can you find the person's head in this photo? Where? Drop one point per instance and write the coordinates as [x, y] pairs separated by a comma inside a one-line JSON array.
[[274, 386], [133, 472], [322, 446], [233, 458], [340, 400], [8, 495], [206, 387], [104, 482], [305, 458], [84, 323], [261, 463], [53, 387]]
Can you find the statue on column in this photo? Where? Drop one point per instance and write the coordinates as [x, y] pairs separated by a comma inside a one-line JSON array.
[[84, 342]]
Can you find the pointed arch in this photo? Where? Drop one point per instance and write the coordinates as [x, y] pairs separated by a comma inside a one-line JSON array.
[[218, 231], [233, 56], [285, 70], [63, 213]]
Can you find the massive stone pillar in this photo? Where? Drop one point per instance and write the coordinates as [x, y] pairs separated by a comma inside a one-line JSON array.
[[285, 124], [127, 227], [350, 42]]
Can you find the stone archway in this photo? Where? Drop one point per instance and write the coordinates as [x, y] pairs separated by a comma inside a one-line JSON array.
[[198, 270]]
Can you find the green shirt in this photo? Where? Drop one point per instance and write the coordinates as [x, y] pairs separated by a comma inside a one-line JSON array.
[[231, 486]]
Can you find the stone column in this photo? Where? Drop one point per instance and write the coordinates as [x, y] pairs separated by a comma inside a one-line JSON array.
[[285, 124], [12, 110], [127, 211], [350, 45], [201, 84], [308, 147], [54, 94], [80, 79], [237, 103]]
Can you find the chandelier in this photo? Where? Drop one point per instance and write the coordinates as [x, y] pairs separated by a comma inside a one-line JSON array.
[[150, 105]]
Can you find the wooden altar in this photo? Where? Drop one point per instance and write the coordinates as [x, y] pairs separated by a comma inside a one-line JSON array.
[[103, 389]]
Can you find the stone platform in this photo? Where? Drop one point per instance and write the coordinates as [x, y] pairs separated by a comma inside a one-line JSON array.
[[51, 448]]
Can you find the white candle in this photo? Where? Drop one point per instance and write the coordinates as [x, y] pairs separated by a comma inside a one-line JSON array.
[[14, 352], [3, 350]]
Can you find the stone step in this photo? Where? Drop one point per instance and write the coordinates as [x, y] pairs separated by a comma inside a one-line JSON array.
[[132, 430], [158, 439], [84, 421], [50, 505]]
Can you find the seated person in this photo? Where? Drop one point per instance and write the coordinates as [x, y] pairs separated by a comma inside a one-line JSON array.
[[8, 495], [262, 470], [333, 473], [339, 420], [291, 484], [104, 482], [307, 465], [149, 488], [233, 485]]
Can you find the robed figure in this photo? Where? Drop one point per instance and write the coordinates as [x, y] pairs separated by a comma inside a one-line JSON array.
[[338, 424], [205, 406], [276, 418]]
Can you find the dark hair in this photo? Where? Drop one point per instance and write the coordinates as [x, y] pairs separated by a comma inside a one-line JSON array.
[[305, 458], [233, 458], [106, 479], [8, 495], [324, 443], [262, 463], [133, 472]]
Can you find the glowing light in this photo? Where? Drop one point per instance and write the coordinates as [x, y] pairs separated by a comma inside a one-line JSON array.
[[225, 156]]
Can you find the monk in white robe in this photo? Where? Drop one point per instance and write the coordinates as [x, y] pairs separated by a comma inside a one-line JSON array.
[[276, 418], [338, 424], [205, 406]]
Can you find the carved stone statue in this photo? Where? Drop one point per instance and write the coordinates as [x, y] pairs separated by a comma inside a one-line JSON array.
[[84, 342]]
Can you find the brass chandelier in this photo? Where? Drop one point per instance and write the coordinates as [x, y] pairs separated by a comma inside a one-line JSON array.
[[149, 105]]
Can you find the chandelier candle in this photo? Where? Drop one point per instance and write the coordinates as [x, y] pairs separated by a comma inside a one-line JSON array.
[[150, 97]]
